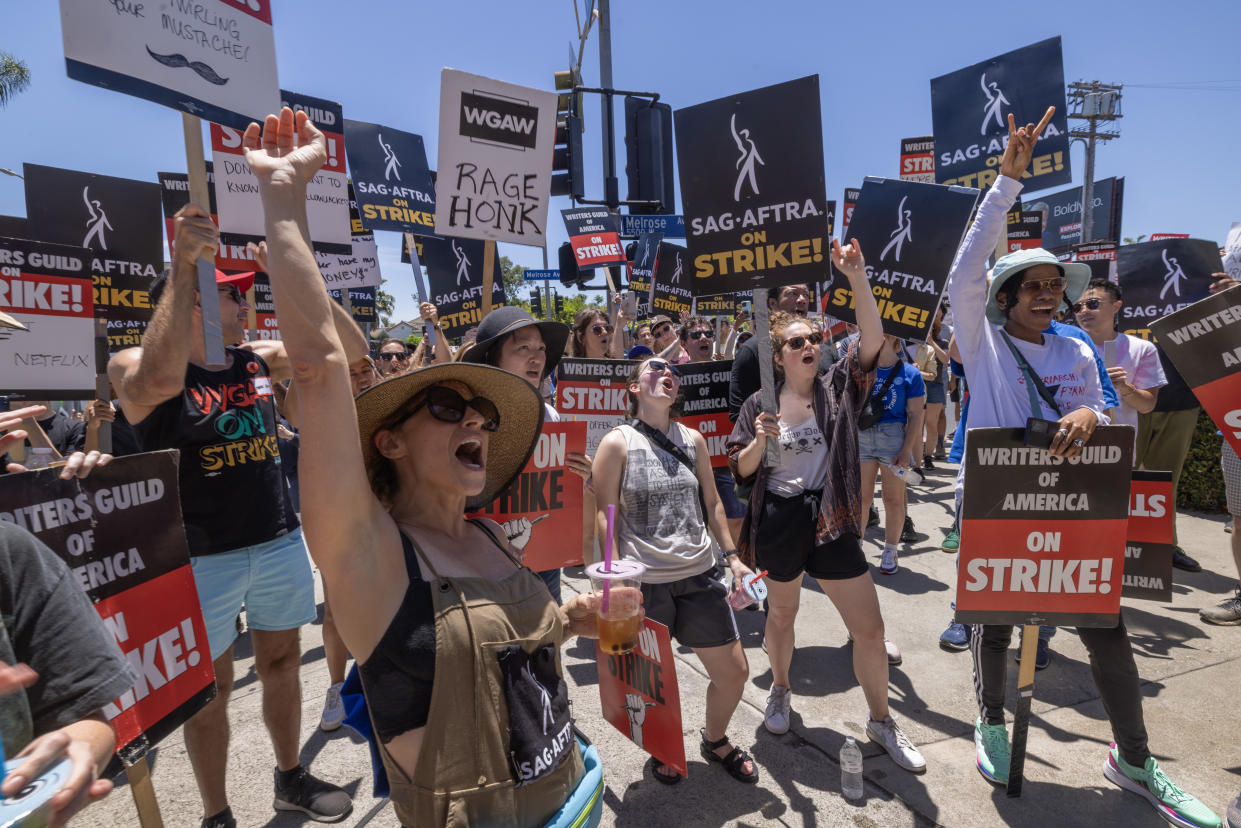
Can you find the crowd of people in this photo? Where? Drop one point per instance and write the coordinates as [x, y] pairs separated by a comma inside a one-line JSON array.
[[456, 643]]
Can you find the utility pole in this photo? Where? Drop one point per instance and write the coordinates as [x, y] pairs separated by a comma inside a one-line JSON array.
[[611, 186], [1093, 102]]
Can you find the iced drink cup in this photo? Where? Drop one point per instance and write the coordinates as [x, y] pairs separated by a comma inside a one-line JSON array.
[[620, 603]]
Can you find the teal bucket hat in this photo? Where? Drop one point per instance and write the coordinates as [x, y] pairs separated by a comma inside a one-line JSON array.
[[1076, 274]]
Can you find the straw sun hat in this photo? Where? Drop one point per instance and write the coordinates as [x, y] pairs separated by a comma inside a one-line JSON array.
[[521, 416]]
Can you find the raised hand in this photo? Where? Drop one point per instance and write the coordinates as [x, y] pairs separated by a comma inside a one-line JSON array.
[[1021, 143], [195, 235], [287, 151], [848, 260]]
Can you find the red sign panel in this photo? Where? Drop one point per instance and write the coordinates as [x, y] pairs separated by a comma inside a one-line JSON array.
[[639, 695]]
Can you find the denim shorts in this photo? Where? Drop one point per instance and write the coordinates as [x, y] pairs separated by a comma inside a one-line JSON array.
[[734, 509], [935, 393], [881, 442], [273, 580]]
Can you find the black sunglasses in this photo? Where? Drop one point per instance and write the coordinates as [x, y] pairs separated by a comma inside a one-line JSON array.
[[701, 334], [799, 342], [659, 366], [448, 406], [599, 330], [662, 329], [388, 357], [1090, 304], [233, 291]]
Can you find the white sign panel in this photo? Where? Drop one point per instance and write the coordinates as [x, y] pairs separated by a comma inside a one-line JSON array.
[[212, 58], [495, 159], [359, 269]]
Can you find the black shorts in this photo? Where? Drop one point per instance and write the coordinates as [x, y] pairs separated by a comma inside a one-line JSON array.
[[694, 609], [786, 546]]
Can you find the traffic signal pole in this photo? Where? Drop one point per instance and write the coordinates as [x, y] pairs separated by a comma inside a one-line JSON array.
[[611, 186]]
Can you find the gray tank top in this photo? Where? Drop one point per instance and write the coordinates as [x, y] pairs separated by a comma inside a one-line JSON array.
[[659, 521]]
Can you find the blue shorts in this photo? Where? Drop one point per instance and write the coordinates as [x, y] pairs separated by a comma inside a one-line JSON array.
[[935, 393], [734, 509], [273, 580], [881, 442]]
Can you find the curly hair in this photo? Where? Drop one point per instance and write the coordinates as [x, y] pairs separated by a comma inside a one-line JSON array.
[[780, 322], [585, 317]]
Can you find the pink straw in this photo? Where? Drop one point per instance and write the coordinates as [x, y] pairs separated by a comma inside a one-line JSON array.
[[607, 557]]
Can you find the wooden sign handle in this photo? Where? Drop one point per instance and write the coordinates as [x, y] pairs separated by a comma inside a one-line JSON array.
[[139, 776], [766, 368], [489, 262], [1021, 720]]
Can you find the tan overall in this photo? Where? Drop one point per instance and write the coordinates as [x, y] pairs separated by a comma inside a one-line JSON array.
[[463, 776]]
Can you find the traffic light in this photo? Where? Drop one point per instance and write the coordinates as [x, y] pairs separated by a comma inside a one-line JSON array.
[[569, 274], [567, 175], [559, 300], [536, 303], [648, 155]]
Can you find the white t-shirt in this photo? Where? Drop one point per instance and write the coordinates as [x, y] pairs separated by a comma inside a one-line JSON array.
[[803, 459], [551, 415], [1140, 359]]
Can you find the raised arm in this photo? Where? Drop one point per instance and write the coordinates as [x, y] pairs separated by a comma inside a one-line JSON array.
[[147, 376], [338, 506], [849, 261]]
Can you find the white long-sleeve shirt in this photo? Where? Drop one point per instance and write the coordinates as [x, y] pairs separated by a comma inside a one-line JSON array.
[[998, 396]]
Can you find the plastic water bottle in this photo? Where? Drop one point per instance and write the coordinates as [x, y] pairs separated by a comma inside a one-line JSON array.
[[911, 476], [851, 770]]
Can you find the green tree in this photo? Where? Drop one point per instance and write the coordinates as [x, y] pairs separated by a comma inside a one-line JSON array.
[[513, 282], [1132, 240], [14, 77], [384, 305]]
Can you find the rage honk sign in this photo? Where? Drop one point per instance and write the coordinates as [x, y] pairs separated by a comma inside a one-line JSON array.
[[120, 533], [548, 498], [970, 109], [215, 59], [752, 183], [495, 159], [909, 233], [1043, 538], [640, 698]]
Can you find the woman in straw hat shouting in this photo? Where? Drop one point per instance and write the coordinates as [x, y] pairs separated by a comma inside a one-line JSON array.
[[457, 643]]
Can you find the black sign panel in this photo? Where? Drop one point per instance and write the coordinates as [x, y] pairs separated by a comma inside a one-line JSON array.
[[970, 109], [1062, 212], [753, 188], [909, 233], [725, 304], [1162, 277], [118, 221], [850, 202], [390, 177], [672, 282], [642, 270], [362, 300], [455, 270]]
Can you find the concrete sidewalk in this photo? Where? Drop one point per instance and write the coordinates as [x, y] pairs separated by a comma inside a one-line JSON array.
[[1190, 672]]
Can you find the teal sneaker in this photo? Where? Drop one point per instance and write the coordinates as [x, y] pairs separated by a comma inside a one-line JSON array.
[[952, 541], [992, 744], [1173, 804]]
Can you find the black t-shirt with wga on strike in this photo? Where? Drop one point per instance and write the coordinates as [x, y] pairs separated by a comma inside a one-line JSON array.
[[233, 492]]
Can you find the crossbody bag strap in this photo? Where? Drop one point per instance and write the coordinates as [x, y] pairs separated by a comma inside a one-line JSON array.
[[660, 439], [1034, 385]]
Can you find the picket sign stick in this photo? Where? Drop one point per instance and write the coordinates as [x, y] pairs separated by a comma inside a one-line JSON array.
[[489, 261], [346, 301], [766, 369], [103, 388], [427, 330], [252, 317], [196, 171], [1021, 720], [139, 776]]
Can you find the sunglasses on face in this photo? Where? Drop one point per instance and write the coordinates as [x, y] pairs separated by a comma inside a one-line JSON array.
[[799, 342], [388, 357], [233, 292], [447, 406], [1089, 304], [660, 331], [658, 366], [700, 334], [600, 330], [1033, 287]]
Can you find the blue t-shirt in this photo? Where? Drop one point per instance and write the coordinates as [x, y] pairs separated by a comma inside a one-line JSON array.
[[908, 384]]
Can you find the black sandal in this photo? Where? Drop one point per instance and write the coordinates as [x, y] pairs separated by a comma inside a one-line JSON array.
[[654, 764], [732, 762]]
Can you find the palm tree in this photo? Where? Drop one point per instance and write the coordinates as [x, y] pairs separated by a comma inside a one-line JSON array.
[[1138, 240], [14, 77]]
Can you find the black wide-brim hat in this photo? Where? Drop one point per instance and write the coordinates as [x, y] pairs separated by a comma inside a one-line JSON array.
[[503, 321], [508, 449]]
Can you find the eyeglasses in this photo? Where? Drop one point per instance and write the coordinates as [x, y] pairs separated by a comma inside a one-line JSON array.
[[600, 330], [1033, 287], [701, 334], [448, 406], [799, 342], [391, 355], [661, 330], [232, 290], [659, 366], [1089, 304]]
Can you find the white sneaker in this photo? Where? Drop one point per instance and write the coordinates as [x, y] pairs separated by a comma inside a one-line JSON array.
[[887, 564], [779, 706], [894, 652], [889, 735], [333, 709]]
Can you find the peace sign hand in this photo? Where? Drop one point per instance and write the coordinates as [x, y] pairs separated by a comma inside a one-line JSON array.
[[1021, 143], [289, 151]]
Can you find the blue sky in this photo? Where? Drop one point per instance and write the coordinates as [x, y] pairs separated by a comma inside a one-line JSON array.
[[381, 61]]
